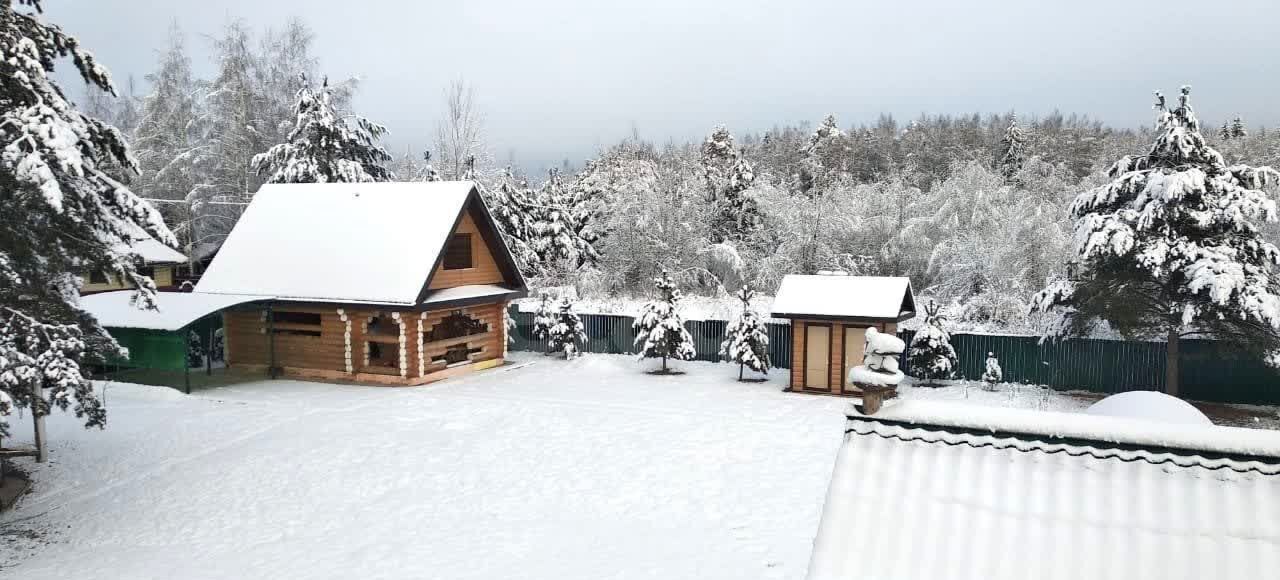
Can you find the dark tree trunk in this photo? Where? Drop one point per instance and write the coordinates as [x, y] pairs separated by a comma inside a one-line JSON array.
[[740, 365], [664, 364], [1171, 365]]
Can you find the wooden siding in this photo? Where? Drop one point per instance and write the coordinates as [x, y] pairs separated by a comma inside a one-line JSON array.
[[163, 279], [325, 357], [484, 269], [836, 365]]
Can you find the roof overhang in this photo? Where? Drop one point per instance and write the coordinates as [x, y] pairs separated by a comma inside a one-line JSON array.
[[846, 319], [174, 310]]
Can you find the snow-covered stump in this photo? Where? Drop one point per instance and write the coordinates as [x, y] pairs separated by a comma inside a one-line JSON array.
[[878, 375]]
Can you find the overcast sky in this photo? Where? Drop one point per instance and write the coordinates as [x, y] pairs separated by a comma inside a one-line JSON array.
[[559, 78]]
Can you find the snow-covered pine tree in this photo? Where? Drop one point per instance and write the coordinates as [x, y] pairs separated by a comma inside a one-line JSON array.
[[992, 374], [428, 171], [821, 158], [512, 206], [562, 236], [1237, 129], [62, 215], [1224, 133], [567, 335], [747, 338], [1012, 149], [660, 331], [728, 178], [931, 355], [544, 319], [1171, 246], [324, 147]]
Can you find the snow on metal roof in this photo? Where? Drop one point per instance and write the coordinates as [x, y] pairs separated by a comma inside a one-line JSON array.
[[468, 292], [841, 296], [339, 242], [174, 310], [921, 491]]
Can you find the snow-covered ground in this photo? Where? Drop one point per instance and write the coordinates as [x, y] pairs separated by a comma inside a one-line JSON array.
[[559, 470]]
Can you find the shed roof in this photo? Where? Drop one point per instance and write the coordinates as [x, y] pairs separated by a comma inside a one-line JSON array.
[[839, 296], [345, 242], [174, 310], [150, 250], [1002, 493]]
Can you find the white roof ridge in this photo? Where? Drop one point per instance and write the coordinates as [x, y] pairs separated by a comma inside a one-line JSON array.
[[1063, 425]]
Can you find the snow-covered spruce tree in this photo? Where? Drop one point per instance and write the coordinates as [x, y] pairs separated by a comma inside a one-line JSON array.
[[660, 331], [822, 158], [1237, 129], [747, 338], [931, 355], [512, 205], [1170, 247], [992, 374], [544, 319], [562, 235], [324, 147], [1224, 132], [728, 178], [567, 335], [1012, 149], [62, 215]]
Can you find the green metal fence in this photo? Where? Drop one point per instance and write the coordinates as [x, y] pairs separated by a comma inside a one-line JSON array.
[[1208, 370]]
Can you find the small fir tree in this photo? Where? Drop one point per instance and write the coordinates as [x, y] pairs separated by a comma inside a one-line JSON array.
[[1171, 246], [324, 147], [747, 338], [992, 374], [544, 319], [931, 355], [660, 331], [1013, 149], [1237, 129], [567, 335], [1224, 133]]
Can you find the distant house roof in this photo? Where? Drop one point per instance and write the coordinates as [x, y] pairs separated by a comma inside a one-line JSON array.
[[840, 296], [150, 250], [175, 310], [936, 490], [347, 242]]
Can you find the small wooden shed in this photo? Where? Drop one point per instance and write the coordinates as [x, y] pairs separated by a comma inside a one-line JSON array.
[[829, 316]]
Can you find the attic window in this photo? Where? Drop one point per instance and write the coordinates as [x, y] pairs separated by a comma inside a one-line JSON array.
[[457, 254]]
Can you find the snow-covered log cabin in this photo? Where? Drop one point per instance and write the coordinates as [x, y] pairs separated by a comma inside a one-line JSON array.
[[158, 262], [830, 314], [387, 283]]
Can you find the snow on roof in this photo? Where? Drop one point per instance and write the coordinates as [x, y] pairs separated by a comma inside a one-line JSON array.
[[1151, 406], [150, 250], [338, 242], [467, 292], [842, 296], [174, 310], [909, 499]]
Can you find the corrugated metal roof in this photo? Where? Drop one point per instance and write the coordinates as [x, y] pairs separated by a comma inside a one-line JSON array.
[[912, 501], [837, 296]]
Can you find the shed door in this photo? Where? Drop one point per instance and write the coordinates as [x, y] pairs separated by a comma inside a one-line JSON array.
[[817, 356], [855, 339]]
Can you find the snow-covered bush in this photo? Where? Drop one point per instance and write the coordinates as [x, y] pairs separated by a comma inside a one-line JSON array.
[[747, 338], [195, 350], [544, 318], [660, 331], [567, 335], [931, 356], [992, 374]]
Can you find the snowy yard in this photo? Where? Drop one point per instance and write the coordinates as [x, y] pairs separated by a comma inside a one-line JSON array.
[[587, 469]]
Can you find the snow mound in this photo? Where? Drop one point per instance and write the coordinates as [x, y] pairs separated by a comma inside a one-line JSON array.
[[1151, 406]]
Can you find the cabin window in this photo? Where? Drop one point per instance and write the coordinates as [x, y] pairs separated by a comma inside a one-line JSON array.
[[97, 277], [295, 323], [457, 254], [455, 325]]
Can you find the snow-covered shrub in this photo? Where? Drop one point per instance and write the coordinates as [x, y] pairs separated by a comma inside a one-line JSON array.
[[544, 319], [567, 335], [195, 350], [992, 374], [747, 338], [931, 356], [660, 331]]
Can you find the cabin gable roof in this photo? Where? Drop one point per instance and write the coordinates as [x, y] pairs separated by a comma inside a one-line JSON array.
[[375, 243]]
